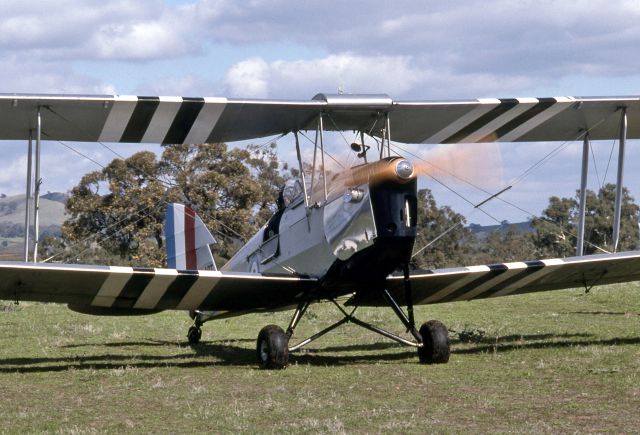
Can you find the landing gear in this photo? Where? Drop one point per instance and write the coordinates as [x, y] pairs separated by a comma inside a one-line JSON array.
[[273, 348], [194, 334], [435, 343], [431, 342]]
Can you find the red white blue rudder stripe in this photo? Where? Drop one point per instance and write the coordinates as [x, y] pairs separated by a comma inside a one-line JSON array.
[[187, 239]]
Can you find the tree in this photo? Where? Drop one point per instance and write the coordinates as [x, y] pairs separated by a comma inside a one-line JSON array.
[[504, 245], [234, 192], [442, 233], [556, 232], [127, 218]]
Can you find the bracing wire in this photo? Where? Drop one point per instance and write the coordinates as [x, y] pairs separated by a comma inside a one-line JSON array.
[[92, 236], [325, 151], [595, 163], [165, 183], [514, 181], [604, 177]]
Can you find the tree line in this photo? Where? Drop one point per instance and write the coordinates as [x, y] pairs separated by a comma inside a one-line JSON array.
[[116, 214], [552, 235]]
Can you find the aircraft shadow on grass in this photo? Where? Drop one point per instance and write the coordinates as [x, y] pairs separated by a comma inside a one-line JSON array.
[[229, 354]]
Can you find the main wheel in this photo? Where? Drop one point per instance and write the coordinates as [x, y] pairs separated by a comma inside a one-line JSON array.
[[273, 348], [194, 334], [435, 343]]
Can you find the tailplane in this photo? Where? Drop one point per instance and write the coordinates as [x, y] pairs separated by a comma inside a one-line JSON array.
[[187, 240]]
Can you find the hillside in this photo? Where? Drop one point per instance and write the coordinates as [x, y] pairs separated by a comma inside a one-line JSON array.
[[12, 209], [51, 210]]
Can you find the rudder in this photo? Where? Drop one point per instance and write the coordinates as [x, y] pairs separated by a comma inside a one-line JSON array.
[[187, 240]]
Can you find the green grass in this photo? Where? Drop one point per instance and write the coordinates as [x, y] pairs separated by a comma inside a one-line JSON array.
[[552, 362]]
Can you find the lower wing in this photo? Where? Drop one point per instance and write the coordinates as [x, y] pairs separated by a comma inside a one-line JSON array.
[[132, 290], [478, 282]]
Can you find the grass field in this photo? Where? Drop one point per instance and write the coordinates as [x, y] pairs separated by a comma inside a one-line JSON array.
[[554, 362]]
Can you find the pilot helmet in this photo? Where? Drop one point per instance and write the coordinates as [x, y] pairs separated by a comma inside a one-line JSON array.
[[290, 192]]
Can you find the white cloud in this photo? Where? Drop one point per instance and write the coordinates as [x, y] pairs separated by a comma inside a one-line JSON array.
[[183, 85], [303, 78], [137, 41], [396, 76], [540, 40], [111, 29], [249, 78], [464, 49], [31, 76]]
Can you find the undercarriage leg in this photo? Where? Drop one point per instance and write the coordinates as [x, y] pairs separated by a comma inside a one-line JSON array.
[[408, 296], [297, 315], [406, 321], [433, 337]]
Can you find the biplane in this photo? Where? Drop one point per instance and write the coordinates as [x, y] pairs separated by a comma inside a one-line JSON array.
[[335, 237]]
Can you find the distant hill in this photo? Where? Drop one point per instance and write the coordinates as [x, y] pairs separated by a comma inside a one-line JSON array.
[[482, 231], [12, 210]]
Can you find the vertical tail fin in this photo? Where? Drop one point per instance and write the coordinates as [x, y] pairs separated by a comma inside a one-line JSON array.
[[187, 239]]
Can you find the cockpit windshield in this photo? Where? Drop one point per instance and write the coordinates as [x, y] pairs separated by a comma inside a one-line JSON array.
[[291, 191]]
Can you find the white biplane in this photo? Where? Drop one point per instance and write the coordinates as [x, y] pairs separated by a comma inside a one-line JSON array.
[[330, 238]]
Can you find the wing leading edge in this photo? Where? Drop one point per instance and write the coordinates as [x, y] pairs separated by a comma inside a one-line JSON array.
[[142, 119], [479, 282], [139, 290]]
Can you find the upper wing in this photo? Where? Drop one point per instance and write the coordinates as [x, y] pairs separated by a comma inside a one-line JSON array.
[[478, 282], [114, 118], [138, 290], [514, 120]]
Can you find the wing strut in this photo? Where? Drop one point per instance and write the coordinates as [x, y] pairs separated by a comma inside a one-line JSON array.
[[36, 193], [27, 208], [618, 203], [583, 194]]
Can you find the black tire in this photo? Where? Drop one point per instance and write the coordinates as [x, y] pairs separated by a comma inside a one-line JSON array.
[[194, 334], [435, 343], [273, 348]]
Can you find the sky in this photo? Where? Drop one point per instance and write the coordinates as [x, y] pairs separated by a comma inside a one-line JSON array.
[[281, 49]]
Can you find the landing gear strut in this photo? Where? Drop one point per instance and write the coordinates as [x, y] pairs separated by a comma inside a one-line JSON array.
[[432, 341]]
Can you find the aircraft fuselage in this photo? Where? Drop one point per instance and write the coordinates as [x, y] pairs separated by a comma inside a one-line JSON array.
[[363, 231]]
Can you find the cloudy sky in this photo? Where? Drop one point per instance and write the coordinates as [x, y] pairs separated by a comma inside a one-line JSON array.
[[295, 49]]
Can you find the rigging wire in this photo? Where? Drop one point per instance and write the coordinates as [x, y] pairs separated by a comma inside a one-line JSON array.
[[325, 150], [69, 147], [604, 177], [162, 202], [514, 181], [88, 238], [475, 206], [595, 163], [165, 183]]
